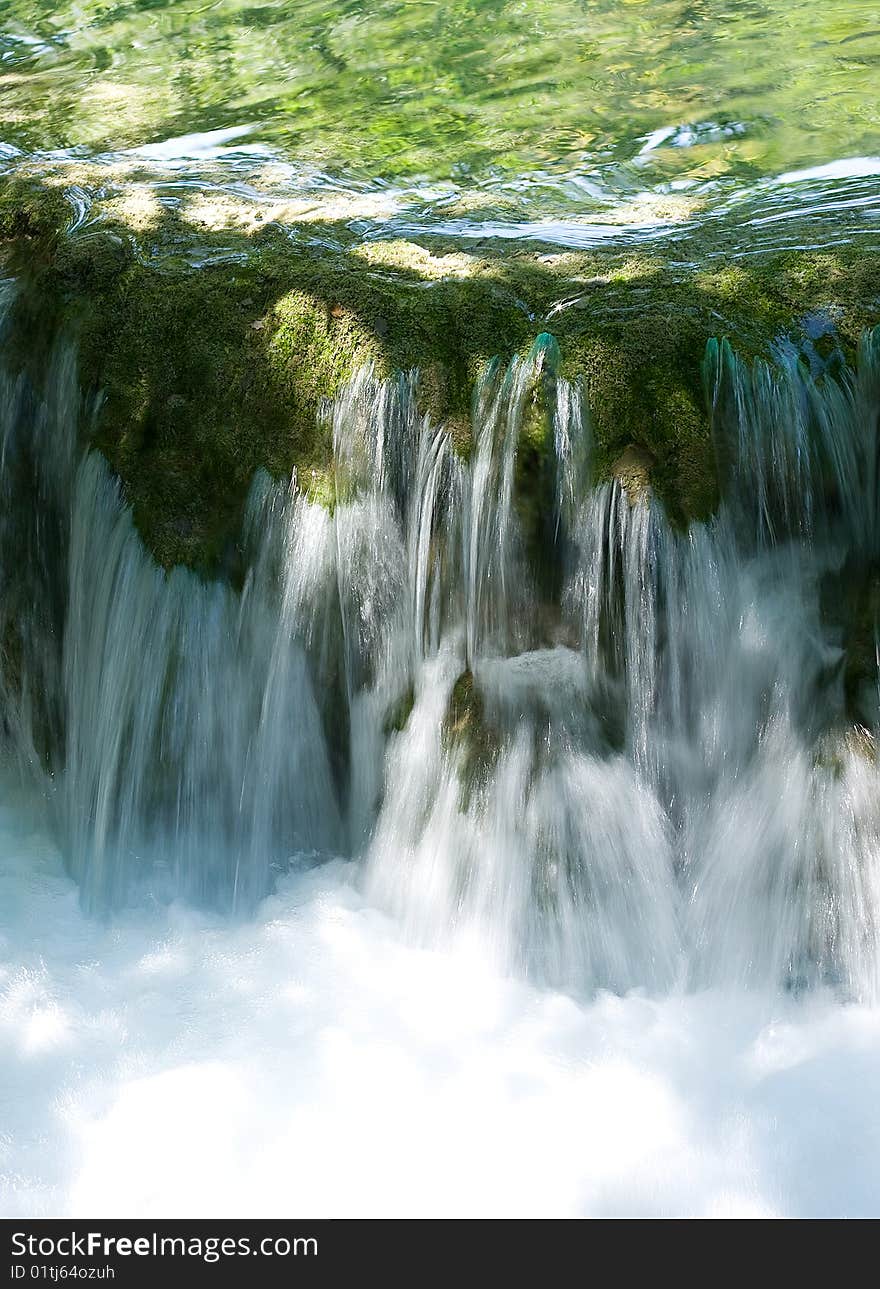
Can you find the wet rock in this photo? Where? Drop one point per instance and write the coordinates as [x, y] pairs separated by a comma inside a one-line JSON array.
[[632, 470]]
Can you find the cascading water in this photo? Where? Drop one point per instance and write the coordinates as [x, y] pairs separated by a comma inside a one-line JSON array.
[[677, 795], [644, 775], [543, 728], [483, 818]]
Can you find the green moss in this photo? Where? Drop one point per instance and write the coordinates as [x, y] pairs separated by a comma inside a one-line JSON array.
[[397, 717], [470, 737], [319, 485], [633, 470], [643, 379], [214, 346], [32, 211]]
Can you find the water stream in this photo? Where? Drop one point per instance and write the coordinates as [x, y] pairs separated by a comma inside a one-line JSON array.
[[484, 843]]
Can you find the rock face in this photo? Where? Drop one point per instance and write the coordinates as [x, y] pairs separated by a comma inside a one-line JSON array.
[[632, 470], [212, 340]]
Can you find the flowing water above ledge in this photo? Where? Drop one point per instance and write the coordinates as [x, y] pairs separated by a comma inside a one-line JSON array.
[[569, 122], [208, 187], [500, 92]]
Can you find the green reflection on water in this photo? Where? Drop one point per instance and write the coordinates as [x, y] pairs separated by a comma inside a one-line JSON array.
[[402, 88]]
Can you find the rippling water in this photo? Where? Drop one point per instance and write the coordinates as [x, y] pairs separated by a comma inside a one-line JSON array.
[[476, 117]]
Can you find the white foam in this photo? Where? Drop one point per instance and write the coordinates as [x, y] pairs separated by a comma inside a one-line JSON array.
[[846, 168], [311, 1064], [208, 145]]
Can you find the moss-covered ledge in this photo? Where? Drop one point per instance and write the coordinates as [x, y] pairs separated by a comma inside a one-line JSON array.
[[213, 340]]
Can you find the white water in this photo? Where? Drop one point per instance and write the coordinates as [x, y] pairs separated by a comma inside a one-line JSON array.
[[568, 752], [309, 1062]]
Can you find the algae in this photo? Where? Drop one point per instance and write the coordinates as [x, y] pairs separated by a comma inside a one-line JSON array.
[[214, 344], [470, 737]]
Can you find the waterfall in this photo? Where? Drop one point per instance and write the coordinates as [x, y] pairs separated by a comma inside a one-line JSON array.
[[195, 753], [539, 717]]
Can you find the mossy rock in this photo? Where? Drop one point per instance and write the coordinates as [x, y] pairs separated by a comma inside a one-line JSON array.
[[850, 605], [214, 346], [399, 714], [633, 470], [470, 737]]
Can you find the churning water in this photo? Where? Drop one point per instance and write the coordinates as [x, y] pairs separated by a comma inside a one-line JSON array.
[[520, 847]]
